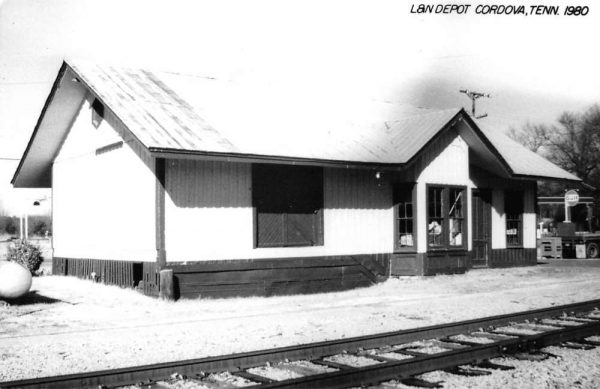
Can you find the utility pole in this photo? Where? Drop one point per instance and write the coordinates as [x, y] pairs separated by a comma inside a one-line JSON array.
[[474, 96]]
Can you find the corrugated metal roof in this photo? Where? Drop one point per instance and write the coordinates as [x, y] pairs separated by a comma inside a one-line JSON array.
[[155, 114], [178, 113], [199, 114], [523, 161]]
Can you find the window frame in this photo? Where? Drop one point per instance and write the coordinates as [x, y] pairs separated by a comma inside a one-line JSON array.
[[445, 217], [514, 194], [403, 191], [317, 216]]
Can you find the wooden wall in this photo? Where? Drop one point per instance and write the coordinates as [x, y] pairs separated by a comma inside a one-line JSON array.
[[446, 262], [530, 216], [429, 264], [121, 273], [141, 275], [407, 264], [103, 193], [104, 202], [498, 219], [444, 162], [499, 186], [209, 213], [513, 257], [266, 277]]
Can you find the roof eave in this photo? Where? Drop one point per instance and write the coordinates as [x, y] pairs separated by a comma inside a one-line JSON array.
[[463, 115], [161, 152], [558, 179], [487, 142], [61, 72]]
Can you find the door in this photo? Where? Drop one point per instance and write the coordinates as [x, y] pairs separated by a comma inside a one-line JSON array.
[[482, 227]]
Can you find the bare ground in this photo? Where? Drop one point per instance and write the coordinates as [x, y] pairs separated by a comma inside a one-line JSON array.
[[66, 325]]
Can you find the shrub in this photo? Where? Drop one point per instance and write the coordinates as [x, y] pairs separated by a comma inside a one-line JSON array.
[[26, 254]]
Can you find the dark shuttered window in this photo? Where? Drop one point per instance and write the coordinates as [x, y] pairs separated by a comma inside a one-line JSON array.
[[288, 202]]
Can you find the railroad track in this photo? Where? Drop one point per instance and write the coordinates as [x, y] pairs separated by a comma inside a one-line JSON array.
[[364, 360]]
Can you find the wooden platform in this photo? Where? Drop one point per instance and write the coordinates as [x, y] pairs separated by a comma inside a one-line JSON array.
[[266, 277]]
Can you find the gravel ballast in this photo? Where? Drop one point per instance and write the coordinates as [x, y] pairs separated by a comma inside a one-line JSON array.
[[68, 325]]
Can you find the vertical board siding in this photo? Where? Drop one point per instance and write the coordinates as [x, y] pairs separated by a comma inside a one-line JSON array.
[[529, 217], [444, 162], [150, 278], [103, 202], [358, 215], [59, 266], [513, 257], [498, 219], [500, 185], [120, 273], [209, 213], [208, 210]]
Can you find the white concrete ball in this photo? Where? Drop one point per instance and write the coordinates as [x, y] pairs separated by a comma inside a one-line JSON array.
[[15, 280]]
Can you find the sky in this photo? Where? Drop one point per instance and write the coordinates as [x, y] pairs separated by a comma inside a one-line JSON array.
[[534, 67]]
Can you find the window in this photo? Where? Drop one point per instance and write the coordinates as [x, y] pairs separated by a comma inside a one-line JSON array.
[[97, 113], [435, 220], [513, 209], [289, 205], [455, 217], [445, 217], [403, 216]]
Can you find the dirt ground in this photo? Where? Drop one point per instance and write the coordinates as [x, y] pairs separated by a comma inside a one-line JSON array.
[[66, 325]]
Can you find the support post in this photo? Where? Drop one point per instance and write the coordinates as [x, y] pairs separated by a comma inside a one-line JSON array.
[[167, 286], [161, 254]]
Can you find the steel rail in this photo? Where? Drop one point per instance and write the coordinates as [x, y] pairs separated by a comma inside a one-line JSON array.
[[241, 361], [375, 374]]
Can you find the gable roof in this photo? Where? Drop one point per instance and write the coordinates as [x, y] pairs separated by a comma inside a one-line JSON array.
[[524, 162], [170, 114]]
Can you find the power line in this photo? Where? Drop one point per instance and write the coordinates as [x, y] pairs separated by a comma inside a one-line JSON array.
[[25, 82]]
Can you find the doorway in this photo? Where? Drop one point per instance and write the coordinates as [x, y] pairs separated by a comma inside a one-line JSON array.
[[482, 227]]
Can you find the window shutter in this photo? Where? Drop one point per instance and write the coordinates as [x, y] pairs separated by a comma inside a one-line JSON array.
[[288, 201]]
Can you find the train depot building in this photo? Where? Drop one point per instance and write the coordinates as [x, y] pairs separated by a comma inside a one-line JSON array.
[[247, 193]]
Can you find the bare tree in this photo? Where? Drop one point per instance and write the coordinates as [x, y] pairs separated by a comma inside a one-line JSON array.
[[573, 144], [532, 136]]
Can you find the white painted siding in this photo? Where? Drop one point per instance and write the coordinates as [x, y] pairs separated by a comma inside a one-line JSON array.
[[446, 162], [209, 213], [103, 205], [529, 218], [498, 219]]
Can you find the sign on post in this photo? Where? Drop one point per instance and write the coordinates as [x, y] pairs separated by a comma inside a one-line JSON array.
[[571, 200]]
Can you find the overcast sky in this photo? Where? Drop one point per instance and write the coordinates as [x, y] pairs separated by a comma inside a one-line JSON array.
[[534, 67]]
